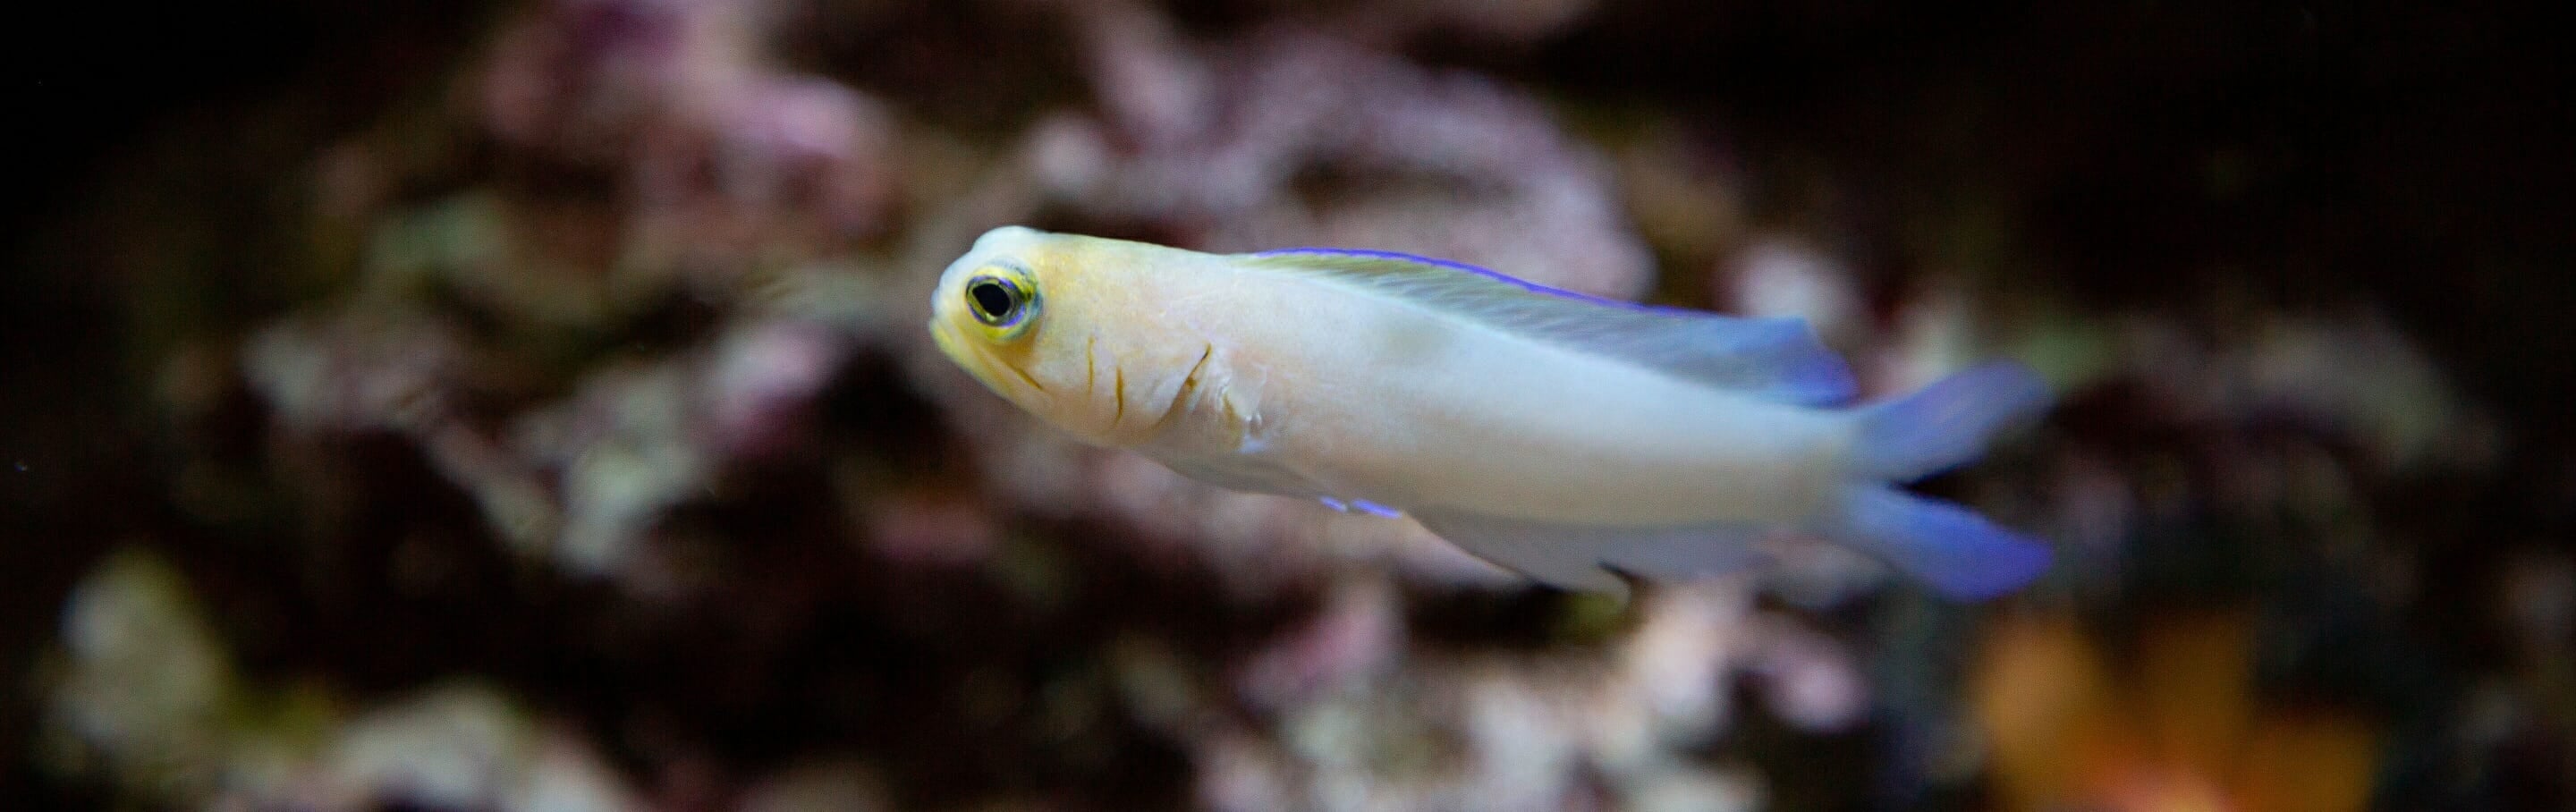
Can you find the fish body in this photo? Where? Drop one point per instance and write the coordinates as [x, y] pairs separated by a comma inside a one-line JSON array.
[[1565, 437]]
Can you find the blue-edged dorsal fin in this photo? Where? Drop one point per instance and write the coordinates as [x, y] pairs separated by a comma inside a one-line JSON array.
[[1776, 359]]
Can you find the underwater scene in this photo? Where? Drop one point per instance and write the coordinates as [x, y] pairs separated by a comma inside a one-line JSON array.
[[1478, 405]]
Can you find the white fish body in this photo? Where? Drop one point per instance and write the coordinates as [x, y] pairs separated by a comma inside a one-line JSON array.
[[1561, 436]]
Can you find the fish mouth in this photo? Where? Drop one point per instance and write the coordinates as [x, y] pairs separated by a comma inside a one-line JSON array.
[[968, 358], [978, 362]]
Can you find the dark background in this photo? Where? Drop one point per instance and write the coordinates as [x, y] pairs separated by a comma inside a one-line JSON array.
[[2416, 159]]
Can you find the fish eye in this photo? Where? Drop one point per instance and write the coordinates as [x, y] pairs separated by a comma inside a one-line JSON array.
[[998, 301]]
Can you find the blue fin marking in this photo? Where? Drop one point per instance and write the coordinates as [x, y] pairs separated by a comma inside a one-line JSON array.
[[1489, 273], [1360, 506], [1945, 545], [1946, 424]]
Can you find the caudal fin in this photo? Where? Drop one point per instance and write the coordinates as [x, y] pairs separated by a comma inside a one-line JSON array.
[[1944, 425], [1945, 545]]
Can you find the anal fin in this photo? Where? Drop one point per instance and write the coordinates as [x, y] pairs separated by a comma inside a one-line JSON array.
[[1360, 506], [1583, 557], [1243, 472]]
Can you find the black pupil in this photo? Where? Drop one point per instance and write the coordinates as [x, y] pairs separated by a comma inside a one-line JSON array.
[[993, 299]]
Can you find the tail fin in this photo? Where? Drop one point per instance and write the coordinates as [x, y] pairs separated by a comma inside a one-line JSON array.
[[1946, 424], [1953, 549]]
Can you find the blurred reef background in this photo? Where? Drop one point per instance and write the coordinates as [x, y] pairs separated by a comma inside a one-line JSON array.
[[525, 406]]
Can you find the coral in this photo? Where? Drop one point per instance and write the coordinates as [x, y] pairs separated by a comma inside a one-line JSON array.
[[2180, 733], [144, 678], [1293, 137], [1352, 722]]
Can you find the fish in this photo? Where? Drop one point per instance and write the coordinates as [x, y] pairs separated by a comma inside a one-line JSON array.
[[1578, 441]]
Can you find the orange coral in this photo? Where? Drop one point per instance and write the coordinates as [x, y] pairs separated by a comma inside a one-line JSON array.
[[2181, 733]]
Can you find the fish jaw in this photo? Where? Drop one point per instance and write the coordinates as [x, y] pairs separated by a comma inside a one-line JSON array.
[[981, 365]]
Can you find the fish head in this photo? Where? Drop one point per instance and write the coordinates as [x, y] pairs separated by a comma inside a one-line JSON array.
[[1059, 325]]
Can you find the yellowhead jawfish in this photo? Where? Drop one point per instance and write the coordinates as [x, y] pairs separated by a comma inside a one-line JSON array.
[[1568, 438]]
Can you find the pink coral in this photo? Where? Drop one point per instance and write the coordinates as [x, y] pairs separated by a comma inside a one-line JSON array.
[[1228, 142]]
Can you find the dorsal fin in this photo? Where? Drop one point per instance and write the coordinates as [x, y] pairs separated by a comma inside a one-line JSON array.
[[1776, 359]]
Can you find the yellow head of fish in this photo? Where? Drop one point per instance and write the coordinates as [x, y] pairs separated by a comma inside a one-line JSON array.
[[1063, 326]]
